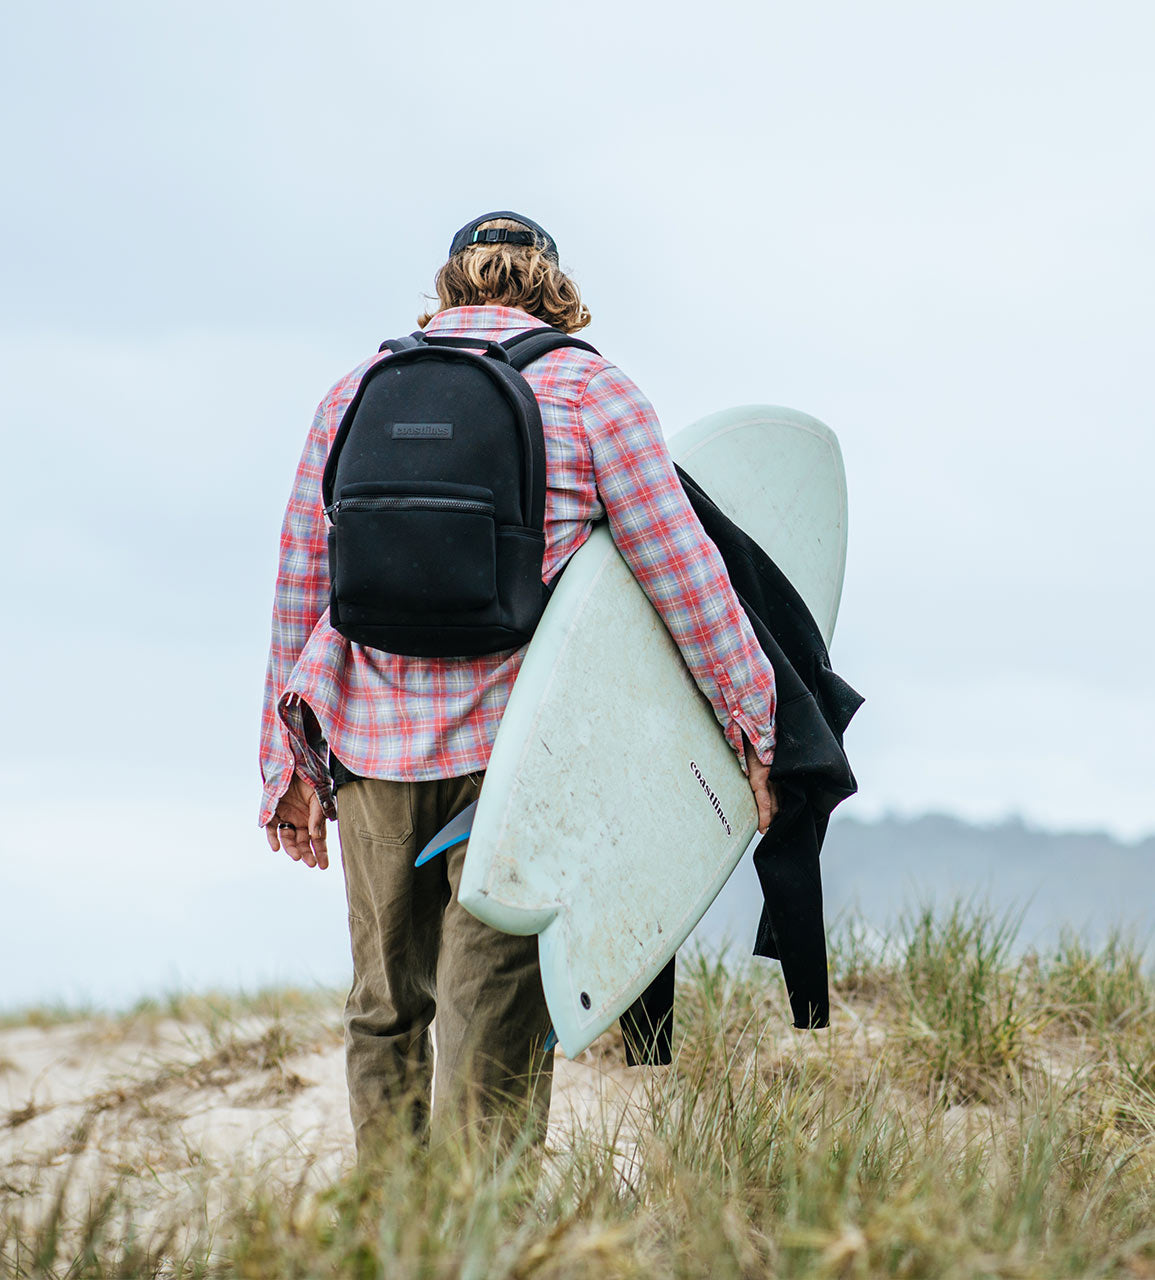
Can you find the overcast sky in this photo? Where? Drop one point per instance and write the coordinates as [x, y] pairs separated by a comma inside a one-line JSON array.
[[929, 225]]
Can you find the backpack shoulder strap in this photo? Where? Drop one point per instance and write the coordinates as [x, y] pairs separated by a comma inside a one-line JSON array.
[[527, 347], [329, 475], [403, 344]]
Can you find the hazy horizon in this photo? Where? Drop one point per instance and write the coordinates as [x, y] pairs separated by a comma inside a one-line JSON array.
[[257, 927]]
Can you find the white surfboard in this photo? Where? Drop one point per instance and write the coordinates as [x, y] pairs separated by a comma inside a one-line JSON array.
[[613, 809]]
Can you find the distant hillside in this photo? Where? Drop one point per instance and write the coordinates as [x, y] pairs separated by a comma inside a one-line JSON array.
[[1086, 880], [284, 924]]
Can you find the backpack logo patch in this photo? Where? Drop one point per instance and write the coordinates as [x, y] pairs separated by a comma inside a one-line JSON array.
[[423, 431]]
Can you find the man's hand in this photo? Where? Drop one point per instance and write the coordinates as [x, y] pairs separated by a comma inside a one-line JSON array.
[[298, 826], [765, 792]]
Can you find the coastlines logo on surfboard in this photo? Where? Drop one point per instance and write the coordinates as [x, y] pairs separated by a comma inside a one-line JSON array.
[[712, 798]]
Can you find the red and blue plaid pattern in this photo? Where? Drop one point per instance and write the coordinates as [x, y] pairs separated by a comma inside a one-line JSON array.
[[388, 716]]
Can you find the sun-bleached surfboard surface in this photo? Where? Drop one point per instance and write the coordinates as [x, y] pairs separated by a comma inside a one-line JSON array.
[[613, 809]]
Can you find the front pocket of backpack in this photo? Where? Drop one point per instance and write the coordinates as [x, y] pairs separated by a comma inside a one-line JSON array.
[[413, 548]]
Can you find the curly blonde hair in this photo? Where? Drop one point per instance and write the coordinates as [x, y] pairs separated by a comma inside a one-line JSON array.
[[510, 275]]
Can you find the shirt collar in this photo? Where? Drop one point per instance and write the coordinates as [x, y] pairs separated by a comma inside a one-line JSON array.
[[474, 321]]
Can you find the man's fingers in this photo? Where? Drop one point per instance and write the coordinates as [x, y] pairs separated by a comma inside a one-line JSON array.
[[765, 795], [302, 844], [766, 798], [282, 837], [288, 836], [304, 848], [299, 826], [765, 809], [317, 832]]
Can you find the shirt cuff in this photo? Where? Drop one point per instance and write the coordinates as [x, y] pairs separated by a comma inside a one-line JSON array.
[[275, 787], [738, 721], [308, 762], [764, 742]]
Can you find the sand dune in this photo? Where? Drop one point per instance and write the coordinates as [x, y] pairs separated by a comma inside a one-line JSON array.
[[172, 1107]]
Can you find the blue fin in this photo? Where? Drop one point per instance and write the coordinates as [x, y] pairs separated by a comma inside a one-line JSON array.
[[452, 833], [550, 1041]]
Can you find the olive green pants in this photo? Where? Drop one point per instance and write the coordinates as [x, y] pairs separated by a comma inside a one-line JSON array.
[[419, 958]]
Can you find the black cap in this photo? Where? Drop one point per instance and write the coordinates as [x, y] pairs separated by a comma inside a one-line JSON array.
[[469, 234]]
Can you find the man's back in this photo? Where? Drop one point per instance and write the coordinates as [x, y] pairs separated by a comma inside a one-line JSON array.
[[394, 716], [444, 712]]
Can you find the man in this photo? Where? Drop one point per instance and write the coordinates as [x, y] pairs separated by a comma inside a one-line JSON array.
[[406, 740]]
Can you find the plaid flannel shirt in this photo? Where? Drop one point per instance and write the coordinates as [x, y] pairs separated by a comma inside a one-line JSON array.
[[388, 716]]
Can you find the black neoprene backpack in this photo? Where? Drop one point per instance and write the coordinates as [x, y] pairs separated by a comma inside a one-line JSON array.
[[434, 490]]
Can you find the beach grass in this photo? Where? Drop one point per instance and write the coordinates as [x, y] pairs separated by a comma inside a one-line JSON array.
[[971, 1111]]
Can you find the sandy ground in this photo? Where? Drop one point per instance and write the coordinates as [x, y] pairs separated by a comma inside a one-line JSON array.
[[182, 1111]]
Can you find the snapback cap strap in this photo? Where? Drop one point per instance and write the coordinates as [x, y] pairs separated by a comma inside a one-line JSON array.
[[502, 235], [470, 234]]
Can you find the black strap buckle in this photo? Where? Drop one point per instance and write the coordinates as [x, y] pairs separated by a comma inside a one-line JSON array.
[[502, 235]]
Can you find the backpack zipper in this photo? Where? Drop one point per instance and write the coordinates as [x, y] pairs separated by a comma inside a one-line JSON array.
[[400, 502]]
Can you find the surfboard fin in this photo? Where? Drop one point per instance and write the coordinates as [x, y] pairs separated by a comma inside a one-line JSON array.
[[550, 1041], [452, 833]]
